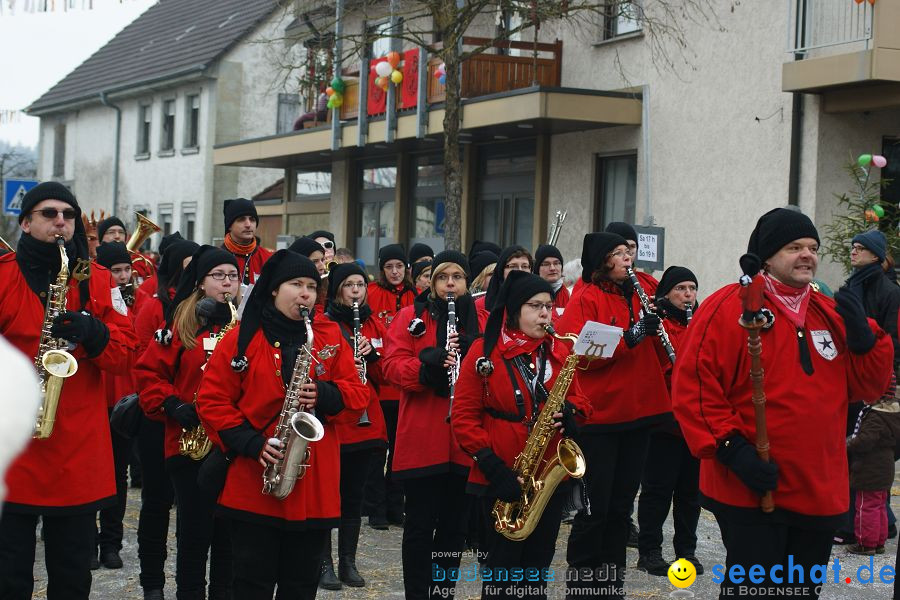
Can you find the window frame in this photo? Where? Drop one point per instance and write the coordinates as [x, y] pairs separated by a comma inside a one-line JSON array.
[[59, 149], [191, 124], [614, 17], [167, 134], [144, 129], [600, 201]]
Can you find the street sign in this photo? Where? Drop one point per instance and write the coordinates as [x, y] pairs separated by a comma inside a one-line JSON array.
[[13, 192], [651, 247]]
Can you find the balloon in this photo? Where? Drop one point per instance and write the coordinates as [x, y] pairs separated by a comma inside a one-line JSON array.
[[378, 81], [442, 79], [437, 74], [338, 85], [329, 90], [330, 103], [879, 212], [859, 1], [396, 76], [871, 217], [864, 160], [383, 68], [879, 161], [393, 59], [337, 101]]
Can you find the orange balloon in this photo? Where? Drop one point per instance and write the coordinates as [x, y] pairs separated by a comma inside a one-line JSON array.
[[872, 2], [393, 58], [871, 216], [329, 90], [859, 1]]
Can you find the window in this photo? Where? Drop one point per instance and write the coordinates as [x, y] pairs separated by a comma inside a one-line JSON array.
[[375, 225], [189, 220], [616, 189], [143, 138], [380, 43], [167, 142], [427, 212], [313, 185], [192, 129], [504, 210], [622, 16], [288, 111], [59, 150], [165, 218]]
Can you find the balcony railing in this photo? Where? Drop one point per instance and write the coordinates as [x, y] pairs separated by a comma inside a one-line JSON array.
[[822, 23]]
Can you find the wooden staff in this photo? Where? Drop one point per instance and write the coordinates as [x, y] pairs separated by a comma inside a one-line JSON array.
[[753, 320]]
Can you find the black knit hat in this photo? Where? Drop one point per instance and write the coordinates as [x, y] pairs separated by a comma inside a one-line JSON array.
[[283, 266], [480, 261], [238, 207], [105, 224], [112, 253], [48, 190], [518, 287], [776, 229], [321, 233], [418, 267], [339, 273], [672, 277], [624, 229], [452, 256], [418, 251], [497, 278], [594, 250], [543, 252], [391, 252], [173, 256], [168, 239], [305, 246], [479, 246]]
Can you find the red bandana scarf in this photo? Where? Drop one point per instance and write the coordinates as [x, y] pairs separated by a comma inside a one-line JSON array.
[[790, 300], [514, 342]]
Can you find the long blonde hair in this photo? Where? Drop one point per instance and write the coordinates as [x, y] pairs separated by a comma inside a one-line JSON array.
[[478, 285], [186, 321]]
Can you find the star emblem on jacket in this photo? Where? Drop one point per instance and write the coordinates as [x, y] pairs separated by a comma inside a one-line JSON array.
[[824, 343]]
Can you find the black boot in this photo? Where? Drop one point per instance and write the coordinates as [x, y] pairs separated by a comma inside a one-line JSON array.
[[327, 579], [348, 540]]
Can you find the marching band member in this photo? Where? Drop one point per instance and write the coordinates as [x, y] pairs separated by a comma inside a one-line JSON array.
[[359, 444], [312, 250], [279, 542], [513, 258], [391, 291], [817, 353], [112, 229], [628, 394], [421, 275], [433, 468], [671, 473], [503, 384], [148, 287], [66, 478], [420, 252], [548, 263], [482, 265], [168, 376], [326, 240], [241, 222]]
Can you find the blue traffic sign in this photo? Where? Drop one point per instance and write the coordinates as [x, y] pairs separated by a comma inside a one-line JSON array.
[[13, 192]]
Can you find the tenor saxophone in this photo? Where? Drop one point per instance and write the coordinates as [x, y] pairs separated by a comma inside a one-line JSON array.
[[53, 363], [517, 520], [296, 427]]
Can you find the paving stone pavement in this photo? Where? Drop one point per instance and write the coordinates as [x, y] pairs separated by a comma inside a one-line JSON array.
[[379, 562]]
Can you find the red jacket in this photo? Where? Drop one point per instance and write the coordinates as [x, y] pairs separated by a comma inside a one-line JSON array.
[[257, 259], [144, 293], [121, 385], [385, 305], [804, 413], [648, 283], [627, 390], [424, 445], [147, 322], [475, 429], [73, 468], [561, 299], [228, 399], [483, 312]]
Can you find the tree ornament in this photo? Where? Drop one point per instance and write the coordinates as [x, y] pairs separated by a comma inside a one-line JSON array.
[[864, 160], [878, 210]]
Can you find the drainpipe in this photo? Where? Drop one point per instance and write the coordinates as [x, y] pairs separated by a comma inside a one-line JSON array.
[[115, 185], [645, 129], [797, 113]]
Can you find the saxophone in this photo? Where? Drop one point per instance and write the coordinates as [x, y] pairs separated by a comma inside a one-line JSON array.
[[54, 364], [195, 443], [517, 520], [296, 428]]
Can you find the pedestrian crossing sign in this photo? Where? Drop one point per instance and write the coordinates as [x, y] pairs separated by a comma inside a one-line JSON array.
[[14, 191]]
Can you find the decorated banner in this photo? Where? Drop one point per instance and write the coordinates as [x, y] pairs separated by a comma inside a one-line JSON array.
[[410, 84], [377, 97]]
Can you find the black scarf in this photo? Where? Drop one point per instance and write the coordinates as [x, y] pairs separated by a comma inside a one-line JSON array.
[[466, 315], [862, 277], [673, 312], [39, 263], [341, 313], [290, 335]]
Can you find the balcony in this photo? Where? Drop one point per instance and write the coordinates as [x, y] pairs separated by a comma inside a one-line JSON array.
[[847, 52]]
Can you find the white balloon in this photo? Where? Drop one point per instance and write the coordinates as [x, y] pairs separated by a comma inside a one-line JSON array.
[[384, 68]]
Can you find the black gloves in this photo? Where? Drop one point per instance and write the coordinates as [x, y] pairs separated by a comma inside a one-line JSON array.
[[81, 328], [648, 325], [740, 456], [860, 337], [329, 401], [568, 419], [504, 481], [433, 356], [243, 439], [185, 414], [432, 371], [206, 308]]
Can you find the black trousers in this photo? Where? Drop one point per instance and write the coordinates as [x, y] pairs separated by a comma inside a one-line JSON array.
[[157, 499], [199, 533], [354, 469], [383, 496], [671, 477], [615, 462], [534, 552], [109, 537], [267, 557], [751, 542], [68, 546], [434, 534]]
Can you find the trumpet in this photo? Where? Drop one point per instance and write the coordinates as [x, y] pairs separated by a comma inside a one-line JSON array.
[[364, 418]]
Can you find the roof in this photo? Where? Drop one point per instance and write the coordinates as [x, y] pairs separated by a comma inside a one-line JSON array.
[[171, 38]]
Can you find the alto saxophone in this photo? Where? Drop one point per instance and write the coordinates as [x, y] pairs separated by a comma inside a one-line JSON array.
[[54, 364], [517, 520], [196, 443], [296, 427]]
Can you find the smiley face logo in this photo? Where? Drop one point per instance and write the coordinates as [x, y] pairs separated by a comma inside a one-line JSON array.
[[682, 573]]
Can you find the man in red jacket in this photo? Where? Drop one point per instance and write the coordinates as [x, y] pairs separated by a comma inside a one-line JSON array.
[[241, 222], [67, 477], [817, 354]]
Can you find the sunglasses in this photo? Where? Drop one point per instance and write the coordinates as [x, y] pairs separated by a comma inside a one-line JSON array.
[[68, 214], [328, 245]]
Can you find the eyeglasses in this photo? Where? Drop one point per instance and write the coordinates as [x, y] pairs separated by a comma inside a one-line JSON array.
[[328, 244], [621, 253], [68, 214], [857, 248], [220, 276], [349, 285], [549, 264], [518, 267], [685, 288], [538, 306]]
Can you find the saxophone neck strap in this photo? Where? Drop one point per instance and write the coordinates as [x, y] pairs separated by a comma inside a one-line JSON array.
[[534, 379]]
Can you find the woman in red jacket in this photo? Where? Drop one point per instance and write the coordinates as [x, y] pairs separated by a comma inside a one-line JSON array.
[[168, 375], [628, 395], [429, 461], [392, 290], [513, 258], [279, 542], [503, 384], [362, 440]]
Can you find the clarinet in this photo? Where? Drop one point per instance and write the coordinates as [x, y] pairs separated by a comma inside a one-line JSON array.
[[452, 372], [364, 418], [645, 303], [688, 312]]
